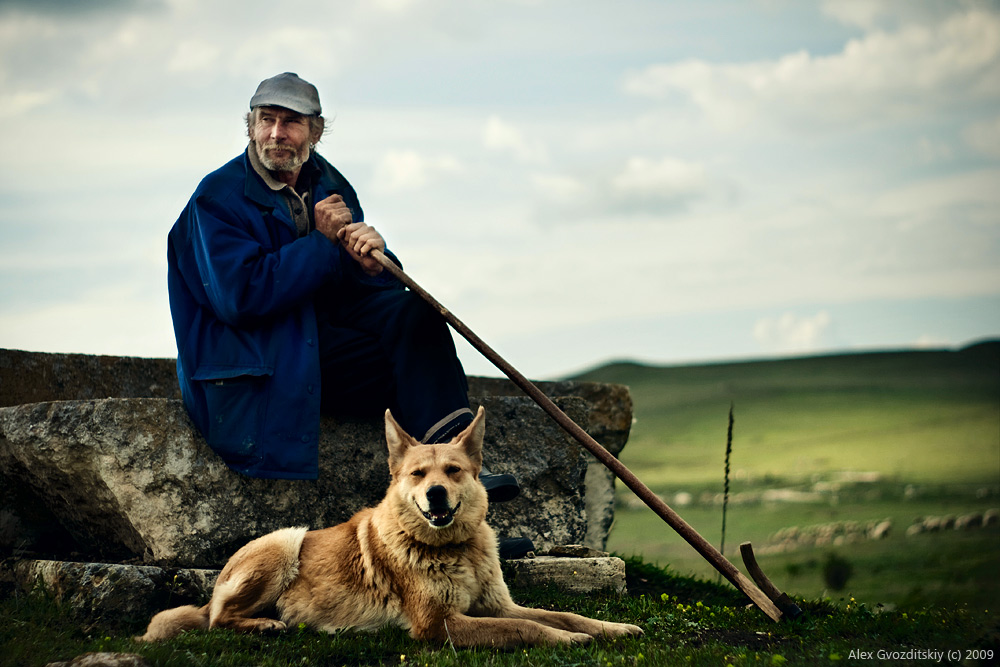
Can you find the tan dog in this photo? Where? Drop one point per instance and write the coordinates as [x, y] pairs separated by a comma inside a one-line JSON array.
[[423, 559]]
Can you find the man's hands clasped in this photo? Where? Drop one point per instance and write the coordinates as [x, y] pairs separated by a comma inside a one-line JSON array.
[[334, 221]]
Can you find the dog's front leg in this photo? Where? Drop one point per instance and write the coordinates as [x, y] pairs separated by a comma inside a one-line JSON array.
[[572, 622], [466, 631], [495, 601]]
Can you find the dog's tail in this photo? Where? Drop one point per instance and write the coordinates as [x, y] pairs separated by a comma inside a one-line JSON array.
[[172, 622]]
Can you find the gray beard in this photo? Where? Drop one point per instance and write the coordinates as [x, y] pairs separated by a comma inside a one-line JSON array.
[[297, 159]]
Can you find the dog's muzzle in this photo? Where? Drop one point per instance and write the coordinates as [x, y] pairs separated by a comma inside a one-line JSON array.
[[438, 514]]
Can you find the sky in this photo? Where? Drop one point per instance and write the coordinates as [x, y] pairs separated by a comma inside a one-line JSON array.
[[579, 181]]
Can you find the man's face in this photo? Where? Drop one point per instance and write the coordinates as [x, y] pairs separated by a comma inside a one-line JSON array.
[[282, 138]]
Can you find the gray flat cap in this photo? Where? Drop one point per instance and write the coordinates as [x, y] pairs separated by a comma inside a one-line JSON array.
[[289, 91]]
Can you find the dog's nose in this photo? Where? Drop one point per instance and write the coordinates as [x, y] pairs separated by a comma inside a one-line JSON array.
[[437, 496]]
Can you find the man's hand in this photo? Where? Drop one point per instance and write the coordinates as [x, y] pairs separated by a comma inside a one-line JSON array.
[[331, 216], [359, 240], [334, 221]]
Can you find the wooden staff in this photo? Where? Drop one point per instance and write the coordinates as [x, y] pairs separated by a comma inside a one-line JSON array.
[[700, 544]]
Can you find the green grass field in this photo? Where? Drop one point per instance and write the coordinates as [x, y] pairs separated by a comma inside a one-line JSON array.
[[927, 422]]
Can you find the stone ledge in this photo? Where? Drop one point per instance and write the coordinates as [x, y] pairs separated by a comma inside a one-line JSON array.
[[98, 590], [574, 575]]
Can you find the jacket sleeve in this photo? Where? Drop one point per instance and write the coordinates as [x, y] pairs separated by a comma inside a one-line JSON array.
[[246, 279]]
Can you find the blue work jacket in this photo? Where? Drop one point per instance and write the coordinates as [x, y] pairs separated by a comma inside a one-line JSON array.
[[241, 285]]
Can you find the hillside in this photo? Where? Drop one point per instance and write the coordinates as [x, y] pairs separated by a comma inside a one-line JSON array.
[[923, 415], [823, 444]]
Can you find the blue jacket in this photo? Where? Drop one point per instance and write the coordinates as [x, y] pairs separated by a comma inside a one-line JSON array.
[[241, 285]]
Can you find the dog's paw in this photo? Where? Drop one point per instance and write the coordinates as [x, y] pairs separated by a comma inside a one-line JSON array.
[[270, 625], [578, 638], [622, 630]]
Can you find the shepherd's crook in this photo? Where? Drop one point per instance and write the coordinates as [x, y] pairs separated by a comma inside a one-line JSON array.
[[710, 553]]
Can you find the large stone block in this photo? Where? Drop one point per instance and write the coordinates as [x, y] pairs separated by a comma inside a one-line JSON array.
[[131, 479], [123, 474]]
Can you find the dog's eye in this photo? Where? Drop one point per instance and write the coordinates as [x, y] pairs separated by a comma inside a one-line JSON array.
[[451, 470], [418, 473]]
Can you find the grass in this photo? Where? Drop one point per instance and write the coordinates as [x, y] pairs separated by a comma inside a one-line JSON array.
[[686, 621], [949, 568]]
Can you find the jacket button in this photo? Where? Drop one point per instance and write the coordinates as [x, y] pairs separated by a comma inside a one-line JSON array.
[[310, 389], [309, 342], [305, 438]]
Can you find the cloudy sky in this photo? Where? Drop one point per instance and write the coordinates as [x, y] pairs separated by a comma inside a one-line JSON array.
[[579, 181]]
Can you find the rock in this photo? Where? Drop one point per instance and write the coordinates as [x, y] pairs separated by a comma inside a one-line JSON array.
[[576, 575], [28, 523], [101, 591], [575, 551], [105, 590], [132, 479], [609, 422], [104, 660], [36, 377]]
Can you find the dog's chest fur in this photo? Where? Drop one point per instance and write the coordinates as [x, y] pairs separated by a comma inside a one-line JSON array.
[[359, 574]]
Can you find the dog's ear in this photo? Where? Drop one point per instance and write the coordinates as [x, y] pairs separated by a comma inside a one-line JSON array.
[[398, 440], [472, 437]]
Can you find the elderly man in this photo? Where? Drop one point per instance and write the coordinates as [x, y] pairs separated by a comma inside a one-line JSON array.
[[279, 310]]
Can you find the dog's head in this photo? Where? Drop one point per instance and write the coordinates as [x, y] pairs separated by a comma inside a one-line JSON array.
[[436, 488]]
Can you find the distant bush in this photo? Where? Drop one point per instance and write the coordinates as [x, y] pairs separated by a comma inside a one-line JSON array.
[[837, 572]]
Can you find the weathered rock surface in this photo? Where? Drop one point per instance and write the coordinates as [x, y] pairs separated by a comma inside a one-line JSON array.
[[609, 422], [36, 377], [576, 575], [130, 479], [105, 590], [95, 591], [103, 659]]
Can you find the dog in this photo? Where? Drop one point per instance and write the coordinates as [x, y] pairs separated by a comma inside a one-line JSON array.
[[423, 559]]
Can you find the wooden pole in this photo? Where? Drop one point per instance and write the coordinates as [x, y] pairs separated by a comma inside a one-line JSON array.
[[700, 544]]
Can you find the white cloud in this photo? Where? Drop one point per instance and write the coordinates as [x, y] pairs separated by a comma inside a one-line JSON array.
[[934, 150], [118, 321], [984, 137], [910, 72], [501, 136], [559, 188], [869, 14], [394, 6], [23, 102], [193, 56], [793, 334], [930, 342], [400, 170], [666, 179]]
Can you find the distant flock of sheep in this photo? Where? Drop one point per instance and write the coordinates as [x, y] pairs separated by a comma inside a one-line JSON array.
[[851, 532]]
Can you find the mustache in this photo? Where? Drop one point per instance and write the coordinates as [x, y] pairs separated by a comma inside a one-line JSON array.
[[277, 146]]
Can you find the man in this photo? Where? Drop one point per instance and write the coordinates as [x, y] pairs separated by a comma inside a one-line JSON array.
[[280, 311]]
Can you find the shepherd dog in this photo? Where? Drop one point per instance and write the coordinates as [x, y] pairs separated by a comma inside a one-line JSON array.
[[423, 559]]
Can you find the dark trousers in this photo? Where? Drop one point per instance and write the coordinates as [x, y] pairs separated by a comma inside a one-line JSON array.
[[387, 348]]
